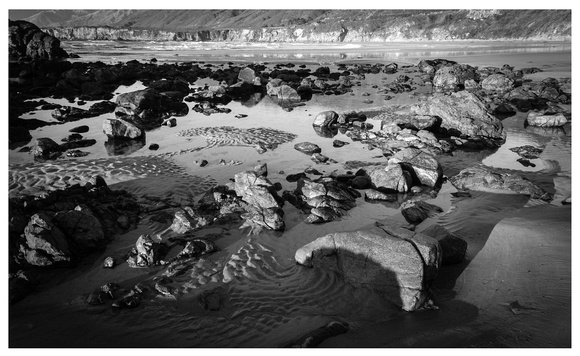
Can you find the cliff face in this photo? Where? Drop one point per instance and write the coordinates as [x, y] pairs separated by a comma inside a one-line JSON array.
[[324, 25]]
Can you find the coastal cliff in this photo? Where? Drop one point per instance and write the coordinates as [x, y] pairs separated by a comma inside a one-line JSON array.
[[312, 25]]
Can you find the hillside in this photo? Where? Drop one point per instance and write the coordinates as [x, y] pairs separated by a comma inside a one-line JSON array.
[[307, 25]]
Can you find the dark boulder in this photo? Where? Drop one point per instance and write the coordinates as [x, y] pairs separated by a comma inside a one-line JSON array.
[[452, 247], [26, 40]]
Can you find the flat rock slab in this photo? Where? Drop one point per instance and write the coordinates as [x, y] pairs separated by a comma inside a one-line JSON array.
[[394, 262]]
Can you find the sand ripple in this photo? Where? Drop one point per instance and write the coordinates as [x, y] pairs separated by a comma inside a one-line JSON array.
[[233, 136], [145, 173]]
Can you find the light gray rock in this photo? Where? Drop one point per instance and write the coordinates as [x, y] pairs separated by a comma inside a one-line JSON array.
[[421, 164], [122, 129], [390, 178], [543, 120], [396, 263]]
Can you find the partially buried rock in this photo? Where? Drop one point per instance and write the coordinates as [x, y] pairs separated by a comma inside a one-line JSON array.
[[417, 211], [153, 147], [391, 261], [80, 129], [46, 148], [452, 247], [484, 179]]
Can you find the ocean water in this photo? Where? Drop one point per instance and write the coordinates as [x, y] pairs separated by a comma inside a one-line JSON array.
[[268, 300]]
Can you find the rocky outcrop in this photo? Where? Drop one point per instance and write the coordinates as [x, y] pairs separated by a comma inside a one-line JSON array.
[[464, 114], [26, 40], [116, 128], [389, 260], [484, 179]]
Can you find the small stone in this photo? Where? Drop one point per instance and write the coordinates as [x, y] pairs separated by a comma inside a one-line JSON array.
[[153, 147], [109, 262]]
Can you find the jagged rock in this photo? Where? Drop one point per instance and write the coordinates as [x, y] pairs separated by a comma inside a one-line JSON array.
[[543, 120], [256, 190], [27, 40], [307, 148], [109, 262], [484, 179], [417, 211], [247, 75], [527, 151], [464, 114], [147, 252], [372, 194], [395, 263], [430, 66], [122, 129], [497, 83], [148, 108], [389, 178], [454, 76], [46, 244], [452, 247], [424, 167]]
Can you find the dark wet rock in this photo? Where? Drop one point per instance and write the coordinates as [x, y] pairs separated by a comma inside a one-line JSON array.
[[295, 177], [339, 143], [307, 148], [391, 68], [44, 243], [527, 151], [464, 114], [146, 252], [452, 247], [417, 211], [389, 178], [461, 194], [74, 144], [79, 129], [72, 137], [153, 147], [82, 229], [46, 148], [17, 134], [130, 301], [26, 40], [316, 337], [171, 122], [525, 162], [116, 128], [497, 83], [422, 166], [121, 147], [543, 120], [109, 262], [148, 107], [525, 100], [484, 179], [284, 93], [360, 182], [391, 261], [101, 108]]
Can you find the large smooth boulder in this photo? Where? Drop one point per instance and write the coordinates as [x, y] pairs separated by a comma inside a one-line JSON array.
[[122, 129], [390, 178], [463, 114], [424, 167], [484, 179], [544, 120], [395, 263], [26, 40]]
